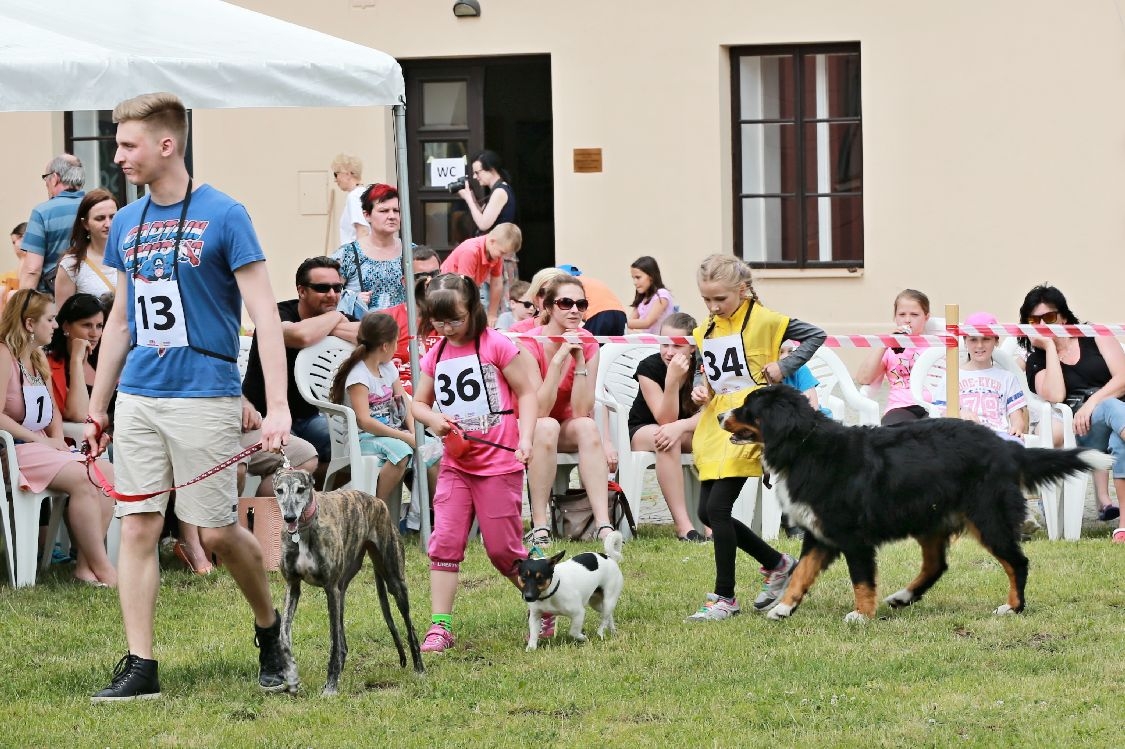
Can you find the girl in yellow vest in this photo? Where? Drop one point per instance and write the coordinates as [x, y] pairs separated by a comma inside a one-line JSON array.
[[738, 346]]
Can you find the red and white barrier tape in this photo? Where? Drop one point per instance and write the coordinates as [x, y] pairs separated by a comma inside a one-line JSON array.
[[944, 340]]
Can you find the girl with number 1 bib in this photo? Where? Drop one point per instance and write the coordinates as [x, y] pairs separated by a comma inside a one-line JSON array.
[[475, 376], [738, 345]]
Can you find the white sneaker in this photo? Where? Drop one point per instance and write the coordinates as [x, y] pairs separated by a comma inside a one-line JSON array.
[[774, 584], [715, 609]]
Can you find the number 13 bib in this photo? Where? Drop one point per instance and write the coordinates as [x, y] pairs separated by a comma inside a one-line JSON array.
[[725, 365], [158, 312]]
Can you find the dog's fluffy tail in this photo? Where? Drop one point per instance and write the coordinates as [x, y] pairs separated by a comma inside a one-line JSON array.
[[614, 543], [1040, 465]]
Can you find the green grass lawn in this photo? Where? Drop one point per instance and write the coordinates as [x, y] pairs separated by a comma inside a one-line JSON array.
[[944, 672]]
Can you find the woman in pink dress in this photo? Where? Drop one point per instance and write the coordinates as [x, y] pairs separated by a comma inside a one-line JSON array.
[[35, 423], [566, 408]]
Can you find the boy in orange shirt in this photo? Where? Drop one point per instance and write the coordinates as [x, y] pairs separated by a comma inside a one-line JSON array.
[[482, 259]]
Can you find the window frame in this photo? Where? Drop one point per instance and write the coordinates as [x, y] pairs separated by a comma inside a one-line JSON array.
[[132, 192], [799, 122]]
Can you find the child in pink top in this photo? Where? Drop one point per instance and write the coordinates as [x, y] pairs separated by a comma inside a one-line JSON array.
[[474, 376], [912, 310], [653, 303]]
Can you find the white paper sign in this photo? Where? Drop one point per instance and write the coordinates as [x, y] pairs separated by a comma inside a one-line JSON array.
[[444, 171]]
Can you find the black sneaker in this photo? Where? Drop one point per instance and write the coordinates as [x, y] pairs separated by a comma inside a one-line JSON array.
[[271, 659], [134, 678]]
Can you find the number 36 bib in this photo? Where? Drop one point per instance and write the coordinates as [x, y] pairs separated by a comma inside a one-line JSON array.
[[159, 314], [459, 387], [725, 365]]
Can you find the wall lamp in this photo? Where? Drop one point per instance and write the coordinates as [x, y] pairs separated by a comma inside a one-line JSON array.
[[466, 9]]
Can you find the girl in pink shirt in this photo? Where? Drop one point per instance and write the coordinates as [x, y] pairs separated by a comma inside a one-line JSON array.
[[912, 310], [474, 377]]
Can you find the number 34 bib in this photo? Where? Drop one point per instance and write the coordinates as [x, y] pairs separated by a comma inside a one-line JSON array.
[[159, 314], [725, 365]]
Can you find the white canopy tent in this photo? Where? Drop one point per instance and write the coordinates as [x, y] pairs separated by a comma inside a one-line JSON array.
[[74, 55]]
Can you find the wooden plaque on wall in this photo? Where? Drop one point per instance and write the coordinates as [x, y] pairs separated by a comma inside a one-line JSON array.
[[587, 160]]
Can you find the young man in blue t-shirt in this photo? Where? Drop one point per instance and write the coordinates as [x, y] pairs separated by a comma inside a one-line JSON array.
[[187, 258]]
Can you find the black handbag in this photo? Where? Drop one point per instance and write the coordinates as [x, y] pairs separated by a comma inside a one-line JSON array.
[[1076, 399]]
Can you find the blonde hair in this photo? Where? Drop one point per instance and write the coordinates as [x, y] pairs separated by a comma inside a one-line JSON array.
[[509, 235], [540, 279], [161, 112], [25, 304], [350, 164], [728, 271]]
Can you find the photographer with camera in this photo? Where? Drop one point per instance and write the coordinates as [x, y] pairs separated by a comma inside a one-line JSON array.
[[500, 205]]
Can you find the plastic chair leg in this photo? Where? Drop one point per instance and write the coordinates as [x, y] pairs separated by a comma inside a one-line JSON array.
[[770, 514], [9, 541], [25, 517], [1073, 504], [113, 540], [1049, 493]]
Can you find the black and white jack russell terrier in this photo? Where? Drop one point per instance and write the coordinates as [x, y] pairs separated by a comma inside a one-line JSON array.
[[565, 588]]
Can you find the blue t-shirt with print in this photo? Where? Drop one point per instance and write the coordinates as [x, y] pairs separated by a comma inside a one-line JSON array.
[[218, 239]]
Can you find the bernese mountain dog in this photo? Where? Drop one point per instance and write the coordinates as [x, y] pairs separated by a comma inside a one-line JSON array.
[[853, 489]]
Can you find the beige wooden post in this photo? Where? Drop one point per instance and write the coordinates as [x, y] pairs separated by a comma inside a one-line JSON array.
[[952, 375]]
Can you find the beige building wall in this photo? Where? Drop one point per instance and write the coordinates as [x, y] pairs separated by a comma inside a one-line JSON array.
[[992, 141]]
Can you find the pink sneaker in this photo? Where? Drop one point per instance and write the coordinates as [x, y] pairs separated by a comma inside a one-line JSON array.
[[438, 639]]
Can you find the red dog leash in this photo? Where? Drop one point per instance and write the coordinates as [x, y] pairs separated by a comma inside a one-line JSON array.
[[97, 478]]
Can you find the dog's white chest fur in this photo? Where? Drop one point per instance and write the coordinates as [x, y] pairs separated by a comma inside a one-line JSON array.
[[305, 563]]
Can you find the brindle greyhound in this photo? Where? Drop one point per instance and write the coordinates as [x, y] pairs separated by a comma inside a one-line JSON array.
[[323, 543]]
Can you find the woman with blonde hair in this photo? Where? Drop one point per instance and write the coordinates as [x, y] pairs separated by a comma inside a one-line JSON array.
[[30, 416], [535, 293]]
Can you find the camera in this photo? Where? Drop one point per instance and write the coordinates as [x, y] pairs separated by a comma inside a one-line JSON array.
[[457, 185]]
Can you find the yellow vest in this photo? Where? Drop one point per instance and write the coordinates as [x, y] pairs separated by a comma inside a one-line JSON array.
[[715, 456]]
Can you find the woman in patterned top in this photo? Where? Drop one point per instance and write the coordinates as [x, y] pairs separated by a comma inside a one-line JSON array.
[[372, 265]]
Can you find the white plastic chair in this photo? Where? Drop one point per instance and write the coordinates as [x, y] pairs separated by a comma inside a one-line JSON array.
[[244, 343], [928, 374], [21, 525], [757, 505], [615, 390]]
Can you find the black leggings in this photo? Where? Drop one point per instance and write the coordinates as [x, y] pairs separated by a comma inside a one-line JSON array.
[[716, 499]]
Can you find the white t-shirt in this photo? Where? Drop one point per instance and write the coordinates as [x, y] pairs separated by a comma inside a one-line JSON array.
[[380, 392], [86, 280], [992, 394], [351, 215]]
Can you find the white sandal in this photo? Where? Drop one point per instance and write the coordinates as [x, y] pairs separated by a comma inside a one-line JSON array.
[[539, 536]]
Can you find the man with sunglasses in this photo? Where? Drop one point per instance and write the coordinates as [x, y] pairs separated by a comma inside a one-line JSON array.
[[305, 321]]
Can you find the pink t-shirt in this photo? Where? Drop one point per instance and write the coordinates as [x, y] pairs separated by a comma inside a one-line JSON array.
[[897, 369], [473, 391], [561, 410], [992, 394], [471, 258], [644, 307], [525, 325]]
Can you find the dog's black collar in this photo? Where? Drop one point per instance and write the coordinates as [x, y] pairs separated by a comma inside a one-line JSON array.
[[556, 590]]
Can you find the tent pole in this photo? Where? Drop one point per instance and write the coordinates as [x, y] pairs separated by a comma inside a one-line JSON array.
[[421, 488]]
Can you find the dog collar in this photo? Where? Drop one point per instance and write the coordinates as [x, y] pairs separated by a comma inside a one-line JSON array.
[[556, 590], [304, 521]]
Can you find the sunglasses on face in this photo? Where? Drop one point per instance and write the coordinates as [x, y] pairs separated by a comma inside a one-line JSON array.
[[427, 274], [566, 303], [526, 305], [324, 288], [1049, 318]]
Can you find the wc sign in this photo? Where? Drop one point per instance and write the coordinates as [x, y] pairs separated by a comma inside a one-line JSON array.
[[444, 171]]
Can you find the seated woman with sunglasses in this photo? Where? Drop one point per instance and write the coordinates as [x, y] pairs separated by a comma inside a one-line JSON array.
[[1086, 373], [566, 408], [535, 296], [30, 416]]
